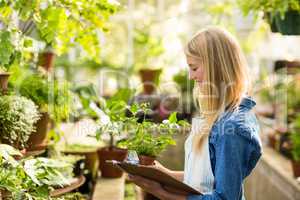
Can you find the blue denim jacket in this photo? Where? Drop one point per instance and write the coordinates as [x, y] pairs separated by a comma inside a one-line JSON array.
[[235, 148]]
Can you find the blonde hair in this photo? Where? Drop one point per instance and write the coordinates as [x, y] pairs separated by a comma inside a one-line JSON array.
[[225, 75]]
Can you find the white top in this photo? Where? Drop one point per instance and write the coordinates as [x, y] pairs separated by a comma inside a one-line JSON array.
[[197, 168]]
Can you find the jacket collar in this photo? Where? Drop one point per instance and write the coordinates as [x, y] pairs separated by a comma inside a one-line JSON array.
[[247, 102]]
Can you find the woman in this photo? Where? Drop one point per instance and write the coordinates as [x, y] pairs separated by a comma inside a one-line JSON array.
[[223, 146]]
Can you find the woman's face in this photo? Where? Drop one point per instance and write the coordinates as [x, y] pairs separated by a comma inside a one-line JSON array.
[[196, 71]]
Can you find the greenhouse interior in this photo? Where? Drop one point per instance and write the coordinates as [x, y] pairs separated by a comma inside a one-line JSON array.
[[99, 100]]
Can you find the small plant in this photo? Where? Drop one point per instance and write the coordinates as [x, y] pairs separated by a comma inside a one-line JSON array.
[[17, 118], [51, 96], [150, 139]]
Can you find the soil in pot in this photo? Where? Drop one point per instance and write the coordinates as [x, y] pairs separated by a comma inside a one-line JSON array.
[[296, 168], [38, 139], [111, 153], [150, 79], [46, 60], [4, 82], [4, 194]]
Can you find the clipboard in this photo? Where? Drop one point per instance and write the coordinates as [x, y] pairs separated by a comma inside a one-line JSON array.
[[168, 182]]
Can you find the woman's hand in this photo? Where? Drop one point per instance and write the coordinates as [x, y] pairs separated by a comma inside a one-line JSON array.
[[159, 166], [150, 186], [155, 188], [176, 174]]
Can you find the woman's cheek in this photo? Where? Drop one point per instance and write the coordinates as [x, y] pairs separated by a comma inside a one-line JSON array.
[[200, 75]]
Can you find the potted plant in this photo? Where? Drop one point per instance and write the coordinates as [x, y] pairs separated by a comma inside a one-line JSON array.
[[112, 119], [112, 124], [148, 48], [9, 54], [149, 139], [283, 16], [17, 118], [295, 139], [53, 100]]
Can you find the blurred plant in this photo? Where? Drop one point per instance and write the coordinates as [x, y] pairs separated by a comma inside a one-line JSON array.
[[146, 47], [269, 6], [59, 24], [51, 172], [31, 178], [112, 115], [50, 95], [183, 80], [17, 118], [295, 138]]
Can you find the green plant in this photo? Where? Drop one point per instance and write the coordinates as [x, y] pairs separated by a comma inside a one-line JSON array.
[[269, 6], [17, 118], [150, 139], [112, 115], [147, 48], [33, 179], [182, 79], [295, 138], [51, 96], [51, 172], [58, 23]]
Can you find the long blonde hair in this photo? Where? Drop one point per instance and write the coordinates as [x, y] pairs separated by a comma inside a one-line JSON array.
[[225, 75]]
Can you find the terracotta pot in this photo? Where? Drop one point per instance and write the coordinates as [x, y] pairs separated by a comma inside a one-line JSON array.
[[273, 141], [146, 160], [38, 139], [111, 153], [79, 181], [296, 168], [5, 194], [4, 82], [46, 60], [150, 79]]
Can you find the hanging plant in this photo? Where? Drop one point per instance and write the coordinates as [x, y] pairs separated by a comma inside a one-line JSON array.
[[283, 16]]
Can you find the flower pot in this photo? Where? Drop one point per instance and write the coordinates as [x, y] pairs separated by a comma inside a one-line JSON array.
[[146, 160], [4, 82], [111, 153], [46, 60], [296, 168], [150, 79], [290, 24], [38, 139], [5, 194]]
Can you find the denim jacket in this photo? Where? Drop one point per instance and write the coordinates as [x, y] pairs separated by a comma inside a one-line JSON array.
[[235, 148]]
